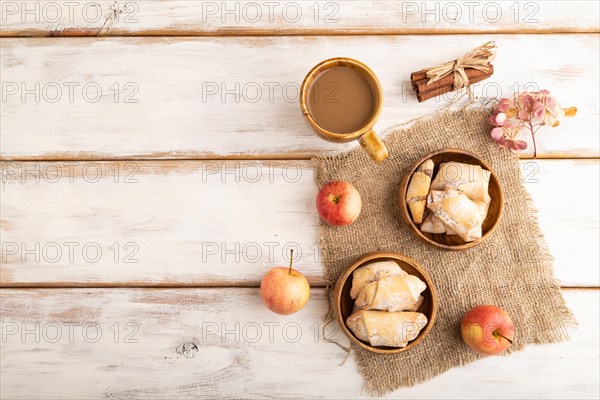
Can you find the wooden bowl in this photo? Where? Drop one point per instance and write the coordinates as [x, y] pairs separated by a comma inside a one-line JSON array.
[[454, 242], [343, 303]]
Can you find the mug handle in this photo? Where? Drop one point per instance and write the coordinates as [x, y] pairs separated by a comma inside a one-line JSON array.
[[374, 146]]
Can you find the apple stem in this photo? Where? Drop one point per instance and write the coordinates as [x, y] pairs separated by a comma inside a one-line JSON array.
[[502, 336], [291, 259]]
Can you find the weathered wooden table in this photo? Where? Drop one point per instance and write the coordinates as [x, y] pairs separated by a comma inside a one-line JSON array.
[[155, 165]]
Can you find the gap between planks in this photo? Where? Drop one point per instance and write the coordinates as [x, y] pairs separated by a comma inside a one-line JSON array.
[[77, 285], [249, 157], [275, 33]]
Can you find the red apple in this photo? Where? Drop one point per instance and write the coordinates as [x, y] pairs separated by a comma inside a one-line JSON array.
[[284, 290], [339, 203], [487, 329]]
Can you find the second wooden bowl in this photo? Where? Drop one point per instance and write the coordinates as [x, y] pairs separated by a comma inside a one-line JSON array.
[[454, 242], [343, 303]]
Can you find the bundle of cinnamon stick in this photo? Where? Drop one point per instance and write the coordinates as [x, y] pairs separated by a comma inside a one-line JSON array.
[[473, 67], [425, 91]]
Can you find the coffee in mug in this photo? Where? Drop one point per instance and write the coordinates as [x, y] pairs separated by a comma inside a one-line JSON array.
[[341, 99]]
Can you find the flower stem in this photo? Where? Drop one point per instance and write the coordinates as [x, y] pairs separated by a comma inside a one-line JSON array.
[[533, 138]]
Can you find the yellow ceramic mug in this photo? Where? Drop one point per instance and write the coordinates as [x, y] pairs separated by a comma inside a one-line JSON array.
[[365, 134]]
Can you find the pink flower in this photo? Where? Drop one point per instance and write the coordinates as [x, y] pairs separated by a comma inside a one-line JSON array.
[[497, 134], [546, 110], [498, 119], [504, 105], [526, 101], [528, 110], [524, 115], [507, 132], [514, 145]]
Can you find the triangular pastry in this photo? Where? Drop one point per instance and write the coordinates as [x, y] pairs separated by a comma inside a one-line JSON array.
[[457, 212]]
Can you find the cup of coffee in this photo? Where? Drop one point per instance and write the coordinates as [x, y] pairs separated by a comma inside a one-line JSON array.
[[341, 99]]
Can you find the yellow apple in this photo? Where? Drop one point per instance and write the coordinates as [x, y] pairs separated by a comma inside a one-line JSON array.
[[284, 290]]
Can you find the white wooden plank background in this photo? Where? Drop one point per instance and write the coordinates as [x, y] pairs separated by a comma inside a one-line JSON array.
[[156, 223], [163, 207], [288, 363], [188, 17], [156, 100]]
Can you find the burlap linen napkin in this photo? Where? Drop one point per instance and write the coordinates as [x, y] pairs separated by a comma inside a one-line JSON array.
[[511, 269]]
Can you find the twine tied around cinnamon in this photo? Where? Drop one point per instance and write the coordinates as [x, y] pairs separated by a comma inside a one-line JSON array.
[[479, 58]]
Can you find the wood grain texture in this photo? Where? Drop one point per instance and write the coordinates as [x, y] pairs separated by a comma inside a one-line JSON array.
[[242, 350], [142, 223], [212, 223], [188, 17], [237, 97]]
